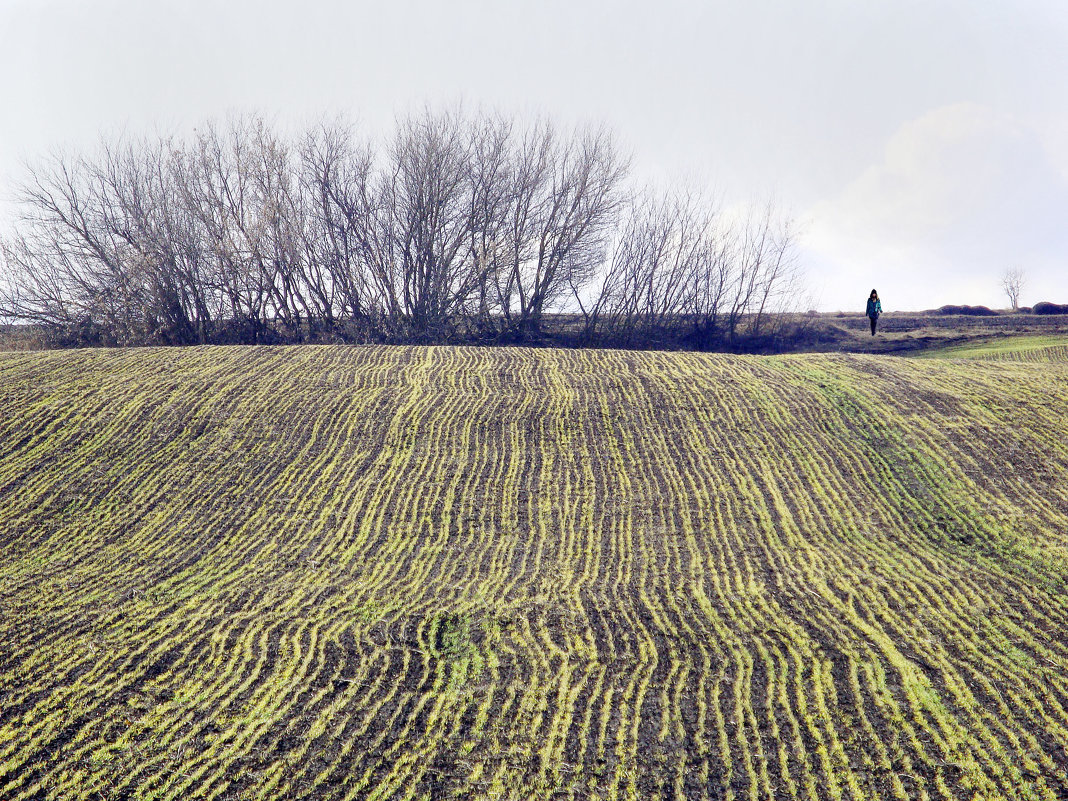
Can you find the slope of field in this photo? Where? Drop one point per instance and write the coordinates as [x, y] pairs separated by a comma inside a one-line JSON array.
[[1022, 349], [372, 573]]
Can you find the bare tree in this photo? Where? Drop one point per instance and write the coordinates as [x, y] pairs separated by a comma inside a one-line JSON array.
[[1013, 282], [463, 227], [656, 265], [67, 265], [334, 177], [162, 255], [765, 268], [422, 211], [682, 268], [563, 202]]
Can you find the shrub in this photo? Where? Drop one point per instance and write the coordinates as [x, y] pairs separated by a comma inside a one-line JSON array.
[[1045, 307], [974, 311]]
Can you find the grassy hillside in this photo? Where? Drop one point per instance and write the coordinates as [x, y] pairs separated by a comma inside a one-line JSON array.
[[1023, 349], [375, 573]]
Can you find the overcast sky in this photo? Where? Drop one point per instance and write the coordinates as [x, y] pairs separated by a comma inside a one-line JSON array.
[[921, 146]]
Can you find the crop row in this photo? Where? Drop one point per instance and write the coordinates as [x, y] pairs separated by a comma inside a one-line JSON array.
[[1014, 348], [448, 572]]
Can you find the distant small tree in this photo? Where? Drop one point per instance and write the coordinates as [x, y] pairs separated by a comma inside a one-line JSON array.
[[1013, 283]]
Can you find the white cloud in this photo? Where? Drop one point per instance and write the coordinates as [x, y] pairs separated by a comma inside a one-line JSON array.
[[959, 194]]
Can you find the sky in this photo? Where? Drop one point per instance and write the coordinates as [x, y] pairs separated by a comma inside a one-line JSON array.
[[920, 147]]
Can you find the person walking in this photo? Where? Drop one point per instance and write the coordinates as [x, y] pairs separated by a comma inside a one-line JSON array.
[[875, 308]]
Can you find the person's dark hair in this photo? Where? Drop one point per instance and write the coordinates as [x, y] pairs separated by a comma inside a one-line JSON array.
[[874, 294]]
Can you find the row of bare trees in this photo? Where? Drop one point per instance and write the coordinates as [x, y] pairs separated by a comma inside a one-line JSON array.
[[460, 228]]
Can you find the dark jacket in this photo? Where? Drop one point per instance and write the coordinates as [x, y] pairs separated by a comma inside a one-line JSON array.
[[875, 308]]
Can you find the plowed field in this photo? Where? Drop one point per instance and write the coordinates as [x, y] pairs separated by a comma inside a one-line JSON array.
[[372, 573]]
